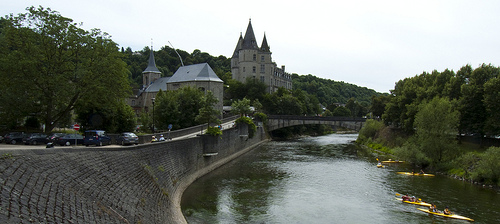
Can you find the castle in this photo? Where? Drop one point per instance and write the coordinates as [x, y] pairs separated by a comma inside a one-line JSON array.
[[251, 61]]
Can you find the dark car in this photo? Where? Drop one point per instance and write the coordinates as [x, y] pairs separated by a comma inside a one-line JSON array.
[[127, 138], [96, 137], [35, 139], [13, 137], [70, 139]]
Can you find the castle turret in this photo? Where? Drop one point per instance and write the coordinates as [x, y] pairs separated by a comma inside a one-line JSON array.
[[265, 47]]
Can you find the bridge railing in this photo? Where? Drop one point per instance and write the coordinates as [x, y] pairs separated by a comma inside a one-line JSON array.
[[299, 117]]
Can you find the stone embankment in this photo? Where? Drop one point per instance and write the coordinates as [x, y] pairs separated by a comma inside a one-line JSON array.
[[135, 184]]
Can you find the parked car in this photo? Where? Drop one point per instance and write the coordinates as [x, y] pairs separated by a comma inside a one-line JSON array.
[[54, 137], [127, 138], [70, 139], [14, 137], [96, 137], [35, 139]]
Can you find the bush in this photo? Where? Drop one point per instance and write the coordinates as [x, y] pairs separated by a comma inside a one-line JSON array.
[[370, 130], [251, 126], [488, 167], [214, 131]]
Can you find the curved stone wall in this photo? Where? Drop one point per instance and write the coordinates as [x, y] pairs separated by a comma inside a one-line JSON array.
[[136, 184]]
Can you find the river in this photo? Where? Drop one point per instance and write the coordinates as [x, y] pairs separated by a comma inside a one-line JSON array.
[[327, 179]]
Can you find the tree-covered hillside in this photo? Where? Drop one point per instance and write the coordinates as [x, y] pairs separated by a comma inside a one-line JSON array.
[[327, 91], [330, 92]]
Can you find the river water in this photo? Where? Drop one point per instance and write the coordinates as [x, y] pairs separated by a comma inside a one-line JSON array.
[[327, 179]]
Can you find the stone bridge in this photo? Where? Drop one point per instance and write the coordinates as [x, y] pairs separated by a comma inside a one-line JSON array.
[[280, 121]]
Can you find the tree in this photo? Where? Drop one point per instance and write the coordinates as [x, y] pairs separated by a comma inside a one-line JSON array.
[[58, 65], [179, 108], [241, 107], [492, 104], [436, 129], [207, 113], [341, 112]]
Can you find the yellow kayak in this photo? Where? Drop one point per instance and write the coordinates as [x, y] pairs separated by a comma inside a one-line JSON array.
[[453, 216], [393, 161], [421, 203], [416, 174], [380, 166]]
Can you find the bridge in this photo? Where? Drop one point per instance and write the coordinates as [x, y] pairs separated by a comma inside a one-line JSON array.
[[280, 121]]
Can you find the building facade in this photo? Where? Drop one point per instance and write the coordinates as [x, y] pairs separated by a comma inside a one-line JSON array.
[[251, 61], [200, 76]]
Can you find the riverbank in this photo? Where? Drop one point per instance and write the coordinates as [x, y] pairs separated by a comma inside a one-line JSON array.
[[387, 152]]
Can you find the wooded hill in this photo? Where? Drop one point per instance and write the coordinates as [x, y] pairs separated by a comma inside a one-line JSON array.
[[327, 91]]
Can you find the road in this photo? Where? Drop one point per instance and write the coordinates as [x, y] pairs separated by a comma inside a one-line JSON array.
[[8, 147]]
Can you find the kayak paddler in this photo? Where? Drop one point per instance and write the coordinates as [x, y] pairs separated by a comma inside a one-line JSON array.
[[447, 211]]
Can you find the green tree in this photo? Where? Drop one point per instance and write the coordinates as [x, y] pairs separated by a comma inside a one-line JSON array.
[[241, 107], [492, 104], [179, 108], [488, 168], [341, 112], [436, 129], [59, 66], [207, 113]]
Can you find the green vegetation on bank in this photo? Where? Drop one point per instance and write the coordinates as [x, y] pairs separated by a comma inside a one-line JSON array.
[[426, 115]]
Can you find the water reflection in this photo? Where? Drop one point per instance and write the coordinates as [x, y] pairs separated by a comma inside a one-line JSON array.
[[325, 180]]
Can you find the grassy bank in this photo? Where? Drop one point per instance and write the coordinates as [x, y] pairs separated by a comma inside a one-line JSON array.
[[463, 160]]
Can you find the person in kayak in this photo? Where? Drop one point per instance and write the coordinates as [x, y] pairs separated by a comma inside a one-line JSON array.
[[433, 208], [446, 211], [421, 172], [405, 197]]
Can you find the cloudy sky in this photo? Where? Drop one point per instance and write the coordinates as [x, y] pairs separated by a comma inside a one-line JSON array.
[[364, 42]]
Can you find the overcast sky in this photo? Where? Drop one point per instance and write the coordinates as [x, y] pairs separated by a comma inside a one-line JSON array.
[[367, 43]]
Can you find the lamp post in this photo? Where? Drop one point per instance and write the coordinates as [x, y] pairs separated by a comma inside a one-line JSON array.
[[153, 100]]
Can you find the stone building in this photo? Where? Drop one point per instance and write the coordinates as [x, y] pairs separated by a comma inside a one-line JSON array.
[[251, 61], [152, 83], [200, 76]]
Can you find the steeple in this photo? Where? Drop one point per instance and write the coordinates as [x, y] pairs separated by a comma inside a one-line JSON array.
[[264, 47], [238, 46], [249, 42], [151, 64]]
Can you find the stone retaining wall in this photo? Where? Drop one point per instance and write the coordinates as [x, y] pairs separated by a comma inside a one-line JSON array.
[[136, 184]]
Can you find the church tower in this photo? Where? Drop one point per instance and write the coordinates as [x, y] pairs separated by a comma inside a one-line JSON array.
[[151, 73], [251, 61]]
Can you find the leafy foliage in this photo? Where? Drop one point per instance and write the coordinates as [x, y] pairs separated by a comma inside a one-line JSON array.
[[60, 66], [214, 131], [207, 113], [330, 92], [241, 107], [252, 128], [179, 108]]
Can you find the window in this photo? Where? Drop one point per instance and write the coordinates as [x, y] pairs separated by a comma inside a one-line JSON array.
[[262, 58], [254, 69], [243, 69], [133, 102], [254, 57], [262, 78], [262, 68]]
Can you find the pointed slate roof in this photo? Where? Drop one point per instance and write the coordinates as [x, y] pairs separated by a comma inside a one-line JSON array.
[[249, 42], [264, 47], [151, 64], [238, 46], [197, 72]]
